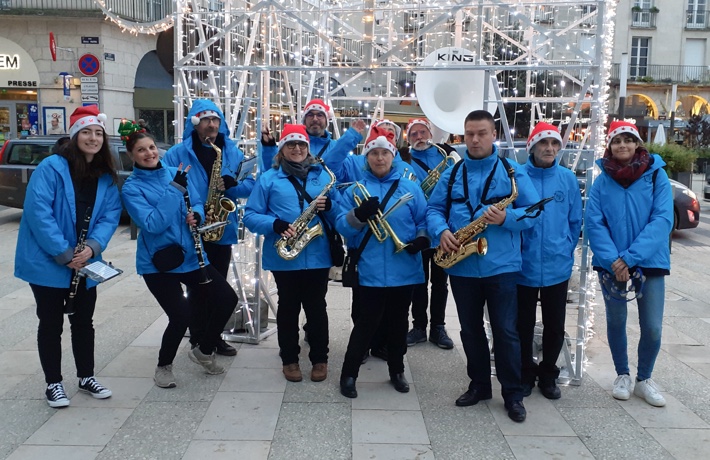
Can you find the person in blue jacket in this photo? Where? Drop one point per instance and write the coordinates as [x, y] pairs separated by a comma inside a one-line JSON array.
[[204, 122], [629, 218], [548, 257], [316, 118], [425, 157], [481, 180], [65, 189], [387, 274], [155, 197], [282, 194]]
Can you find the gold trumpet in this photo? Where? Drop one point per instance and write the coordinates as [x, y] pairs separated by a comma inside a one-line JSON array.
[[378, 224]]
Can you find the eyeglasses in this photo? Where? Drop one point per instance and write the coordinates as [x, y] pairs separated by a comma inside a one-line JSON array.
[[315, 114], [291, 145], [211, 120]]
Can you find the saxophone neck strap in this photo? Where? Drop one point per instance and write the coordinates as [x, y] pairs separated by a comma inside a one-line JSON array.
[[304, 195], [421, 164]]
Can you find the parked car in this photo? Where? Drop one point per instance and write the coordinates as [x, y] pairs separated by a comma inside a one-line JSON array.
[[706, 188], [20, 157]]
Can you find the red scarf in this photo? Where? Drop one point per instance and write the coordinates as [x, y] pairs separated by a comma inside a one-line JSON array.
[[626, 174]]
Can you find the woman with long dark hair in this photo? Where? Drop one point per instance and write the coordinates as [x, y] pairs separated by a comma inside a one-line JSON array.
[[71, 210], [170, 254]]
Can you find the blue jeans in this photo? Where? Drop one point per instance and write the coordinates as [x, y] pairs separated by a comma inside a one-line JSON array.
[[650, 307], [500, 292]]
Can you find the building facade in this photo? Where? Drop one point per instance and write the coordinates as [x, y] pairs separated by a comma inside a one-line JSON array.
[[666, 42]]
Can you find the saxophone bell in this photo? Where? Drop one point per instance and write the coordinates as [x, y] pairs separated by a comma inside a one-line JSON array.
[[217, 206]]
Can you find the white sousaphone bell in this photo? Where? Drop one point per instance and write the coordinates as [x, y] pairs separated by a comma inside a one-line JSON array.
[[446, 96]]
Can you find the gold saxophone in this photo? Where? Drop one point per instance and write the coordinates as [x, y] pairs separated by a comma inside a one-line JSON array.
[[217, 206], [381, 229], [465, 234], [432, 178], [290, 248]]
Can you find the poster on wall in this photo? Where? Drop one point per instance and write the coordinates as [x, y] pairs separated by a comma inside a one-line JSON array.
[[54, 120]]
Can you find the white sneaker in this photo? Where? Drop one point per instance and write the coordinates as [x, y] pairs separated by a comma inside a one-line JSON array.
[[648, 390], [622, 387]]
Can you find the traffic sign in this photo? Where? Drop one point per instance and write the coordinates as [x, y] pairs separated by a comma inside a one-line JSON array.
[[89, 79], [89, 65], [89, 88], [89, 98]]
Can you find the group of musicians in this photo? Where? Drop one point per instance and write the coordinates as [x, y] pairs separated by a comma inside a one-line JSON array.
[[478, 223]]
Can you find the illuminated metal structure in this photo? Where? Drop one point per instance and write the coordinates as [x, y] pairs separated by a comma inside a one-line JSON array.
[[262, 61]]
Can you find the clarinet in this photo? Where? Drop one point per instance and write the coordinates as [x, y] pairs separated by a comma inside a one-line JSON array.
[[69, 307], [204, 277]]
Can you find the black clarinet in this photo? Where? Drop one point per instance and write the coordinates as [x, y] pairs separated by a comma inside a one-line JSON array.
[[69, 308], [204, 277]]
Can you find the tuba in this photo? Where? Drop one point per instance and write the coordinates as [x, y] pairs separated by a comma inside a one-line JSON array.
[[290, 248], [435, 173], [381, 229], [465, 235], [217, 206]]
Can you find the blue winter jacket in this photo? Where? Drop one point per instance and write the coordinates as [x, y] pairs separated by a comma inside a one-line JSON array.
[[156, 204], [379, 266], [503, 240], [47, 236], [275, 197], [548, 246], [633, 223], [231, 159]]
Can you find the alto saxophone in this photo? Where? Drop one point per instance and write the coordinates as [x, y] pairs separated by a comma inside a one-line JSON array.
[[290, 248], [432, 178], [466, 234], [217, 206]]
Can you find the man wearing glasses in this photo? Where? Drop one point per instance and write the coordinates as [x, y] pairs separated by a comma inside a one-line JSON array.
[[204, 125]]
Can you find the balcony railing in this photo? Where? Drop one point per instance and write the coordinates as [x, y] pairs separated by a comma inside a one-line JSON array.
[[697, 19], [644, 18], [146, 11], [665, 73]]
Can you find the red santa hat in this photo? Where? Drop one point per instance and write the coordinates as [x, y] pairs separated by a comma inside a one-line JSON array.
[[83, 117], [542, 131], [379, 139], [293, 133], [620, 127], [384, 121], [204, 114], [316, 105], [418, 121]]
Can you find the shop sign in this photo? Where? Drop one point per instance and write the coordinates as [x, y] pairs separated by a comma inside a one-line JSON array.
[[17, 69], [8, 61], [21, 84]]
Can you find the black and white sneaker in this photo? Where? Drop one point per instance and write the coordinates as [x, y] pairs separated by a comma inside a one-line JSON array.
[[94, 388], [56, 397]]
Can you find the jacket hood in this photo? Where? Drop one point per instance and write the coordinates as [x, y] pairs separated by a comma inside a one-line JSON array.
[[198, 106]]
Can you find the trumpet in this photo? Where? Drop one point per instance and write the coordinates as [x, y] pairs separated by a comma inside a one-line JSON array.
[[381, 229], [432, 178]]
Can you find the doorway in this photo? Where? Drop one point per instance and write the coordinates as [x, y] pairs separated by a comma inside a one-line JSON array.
[[7, 125]]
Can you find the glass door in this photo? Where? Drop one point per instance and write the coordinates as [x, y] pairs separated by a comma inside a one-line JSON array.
[[6, 116]]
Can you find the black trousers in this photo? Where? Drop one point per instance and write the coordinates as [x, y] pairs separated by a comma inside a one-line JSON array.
[[215, 301], [380, 305], [439, 294], [379, 339], [220, 257], [50, 311], [553, 300], [307, 289]]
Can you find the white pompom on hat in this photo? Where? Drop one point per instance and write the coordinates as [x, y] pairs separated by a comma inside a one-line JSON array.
[[418, 121], [293, 133], [316, 105], [620, 127], [379, 139], [83, 117], [542, 131], [204, 114]]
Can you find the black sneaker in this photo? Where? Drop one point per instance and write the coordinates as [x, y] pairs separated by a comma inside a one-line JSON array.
[[439, 337], [225, 349], [91, 386], [56, 397], [416, 336]]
